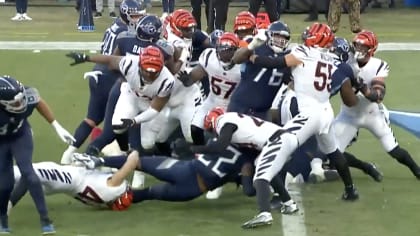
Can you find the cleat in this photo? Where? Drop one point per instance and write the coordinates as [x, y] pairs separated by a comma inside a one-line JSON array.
[[315, 177], [97, 15], [112, 15], [17, 17], [26, 17], [4, 230], [214, 194], [276, 203], [288, 210], [331, 175], [350, 194], [4, 226], [374, 173], [90, 162], [138, 180], [48, 229], [262, 219]]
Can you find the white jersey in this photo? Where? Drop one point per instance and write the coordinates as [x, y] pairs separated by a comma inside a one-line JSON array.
[[88, 186], [319, 64], [252, 131]]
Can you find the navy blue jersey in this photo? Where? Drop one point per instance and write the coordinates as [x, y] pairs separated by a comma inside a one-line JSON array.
[[11, 124], [259, 85], [128, 43], [344, 72], [198, 44], [217, 169]]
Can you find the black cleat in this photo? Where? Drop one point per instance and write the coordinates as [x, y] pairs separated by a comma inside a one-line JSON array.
[[373, 172], [276, 203], [350, 194]]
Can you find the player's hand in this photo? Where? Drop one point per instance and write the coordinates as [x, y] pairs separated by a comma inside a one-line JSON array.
[[77, 57], [259, 39], [184, 77], [63, 133], [127, 123], [94, 74]]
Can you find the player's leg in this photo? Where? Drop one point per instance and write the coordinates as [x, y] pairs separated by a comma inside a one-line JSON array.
[[107, 135], [22, 150], [6, 184]]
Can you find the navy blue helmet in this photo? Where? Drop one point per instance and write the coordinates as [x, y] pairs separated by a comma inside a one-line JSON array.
[[12, 95], [278, 34], [341, 48], [214, 37], [149, 28], [132, 10]]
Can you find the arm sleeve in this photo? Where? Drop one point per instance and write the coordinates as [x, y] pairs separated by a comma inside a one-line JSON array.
[[146, 115], [224, 139]]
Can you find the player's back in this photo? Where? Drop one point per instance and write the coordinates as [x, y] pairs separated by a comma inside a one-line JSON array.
[[110, 36], [312, 79], [217, 169], [251, 132]]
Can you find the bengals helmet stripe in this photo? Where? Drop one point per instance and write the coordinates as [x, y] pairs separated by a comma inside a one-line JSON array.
[[151, 59], [367, 38], [318, 35], [211, 117], [228, 39], [244, 20], [181, 19]]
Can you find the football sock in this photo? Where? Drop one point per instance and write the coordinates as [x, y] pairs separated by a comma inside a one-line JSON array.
[[82, 133], [405, 158], [115, 161], [263, 194], [247, 187], [197, 135], [356, 163], [141, 195], [278, 186], [122, 140], [163, 149], [340, 163]]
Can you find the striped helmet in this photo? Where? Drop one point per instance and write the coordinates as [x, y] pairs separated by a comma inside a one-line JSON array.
[[318, 35]]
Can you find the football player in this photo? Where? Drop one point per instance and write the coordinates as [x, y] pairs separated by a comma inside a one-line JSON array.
[[17, 102], [312, 85], [257, 79], [183, 180], [369, 112], [245, 26], [130, 12], [91, 187]]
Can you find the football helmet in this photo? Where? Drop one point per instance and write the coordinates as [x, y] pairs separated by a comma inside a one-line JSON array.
[[182, 23], [123, 202], [12, 95], [214, 36], [245, 24], [365, 44], [318, 35], [278, 34], [150, 64], [225, 48], [211, 117], [341, 48], [131, 11], [149, 28]]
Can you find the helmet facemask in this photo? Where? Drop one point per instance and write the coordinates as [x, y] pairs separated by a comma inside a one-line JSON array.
[[278, 40], [17, 105], [361, 52], [225, 54]]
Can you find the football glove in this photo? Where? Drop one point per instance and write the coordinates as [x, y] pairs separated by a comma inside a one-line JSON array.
[[185, 78], [78, 57], [126, 123], [63, 133], [93, 74]]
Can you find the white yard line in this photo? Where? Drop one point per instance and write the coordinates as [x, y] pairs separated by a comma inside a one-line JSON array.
[[31, 45], [294, 225]]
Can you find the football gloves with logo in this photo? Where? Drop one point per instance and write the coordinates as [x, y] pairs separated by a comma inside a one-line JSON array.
[[77, 57]]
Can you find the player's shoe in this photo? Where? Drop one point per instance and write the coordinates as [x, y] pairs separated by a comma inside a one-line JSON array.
[[262, 219], [350, 194], [138, 180], [276, 203], [214, 194], [48, 229], [4, 226], [325, 175], [289, 209], [26, 17], [373, 172], [90, 162], [4, 230], [17, 17]]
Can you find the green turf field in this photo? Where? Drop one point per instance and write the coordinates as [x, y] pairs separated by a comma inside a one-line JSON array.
[[387, 209]]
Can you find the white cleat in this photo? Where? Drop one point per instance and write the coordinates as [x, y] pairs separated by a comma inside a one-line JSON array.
[[214, 194], [262, 219], [17, 17], [26, 17], [138, 180]]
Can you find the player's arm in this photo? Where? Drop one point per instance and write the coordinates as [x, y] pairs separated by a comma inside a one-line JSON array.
[[242, 55], [221, 143], [376, 92], [111, 61], [347, 94], [45, 111], [129, 166]]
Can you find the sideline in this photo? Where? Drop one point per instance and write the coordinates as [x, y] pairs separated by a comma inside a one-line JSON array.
[[32, 45]]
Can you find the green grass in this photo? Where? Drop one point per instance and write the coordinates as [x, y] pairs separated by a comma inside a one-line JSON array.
[[388, 208]]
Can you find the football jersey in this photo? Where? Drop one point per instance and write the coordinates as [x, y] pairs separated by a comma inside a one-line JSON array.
[[87, 186], [110, 36], [251, 132], [222, 82], [312, 78], [178, 42], [161, 86]]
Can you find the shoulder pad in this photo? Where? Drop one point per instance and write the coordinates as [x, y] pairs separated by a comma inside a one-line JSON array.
[[165, 46], [32, 95]]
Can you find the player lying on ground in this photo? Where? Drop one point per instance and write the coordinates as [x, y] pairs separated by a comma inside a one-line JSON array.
[[92, 187], [183, 180]]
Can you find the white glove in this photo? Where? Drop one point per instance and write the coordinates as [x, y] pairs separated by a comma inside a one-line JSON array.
[[93, 74], [259, 39], [63, 133]]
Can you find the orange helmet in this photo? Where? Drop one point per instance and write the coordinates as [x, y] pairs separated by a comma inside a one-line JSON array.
[[365, 44], [211, 117], [245, 20], [225, 48], [123, 202], [318, 35], [151, 63], [182, 23]]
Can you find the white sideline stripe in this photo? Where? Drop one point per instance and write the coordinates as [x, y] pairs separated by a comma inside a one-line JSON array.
[[294, 225], [31, 45]]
